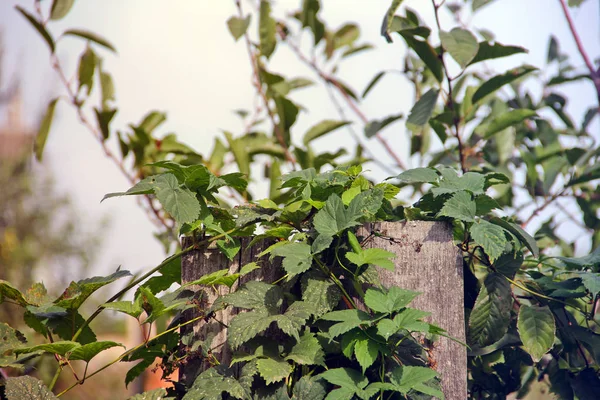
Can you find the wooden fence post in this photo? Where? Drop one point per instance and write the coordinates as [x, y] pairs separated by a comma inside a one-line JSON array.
[[427, 261]]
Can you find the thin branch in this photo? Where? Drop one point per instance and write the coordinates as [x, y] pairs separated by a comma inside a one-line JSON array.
[[542, 207], [331, 80], [257, 84], [450, 101], [594, 73]]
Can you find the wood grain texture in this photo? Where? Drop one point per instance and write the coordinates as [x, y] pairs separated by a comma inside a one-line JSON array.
[[427, 261]]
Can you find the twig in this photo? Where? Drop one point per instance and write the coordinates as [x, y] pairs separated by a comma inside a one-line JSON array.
[[257, 84], [540, 208], [450, 101], [331, 80], [594, 73]]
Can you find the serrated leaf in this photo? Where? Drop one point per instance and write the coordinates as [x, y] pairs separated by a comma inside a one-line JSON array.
[[77, 292], [145, 186], [345, 378], [406, 378], [321, 129], [591, 281], [246, 326], [256, 295], [536, 328], [210, 385], [156, 394], [422, 110], [460, 206], [484, 204], [178, 201], [27, 387], [10, 339], [59, 347], [309, 388], [229, 247], [307, 351], [461, 44], [509, 263], [418, 175], [38, 27], [272, 370], [490, 237], [91, 350], [495, 83], [451, 183], [238, 26], [348, 320], [45, 125], [409, 319], [591, 260], [504, 121], [489, 51], [266, 29], [93, 37], [490, 316], [297, 257], [333, 218], [381, 258], [390, 300], [366, 351], [130, 308], [322, 294], [521, 234], [60, 8]]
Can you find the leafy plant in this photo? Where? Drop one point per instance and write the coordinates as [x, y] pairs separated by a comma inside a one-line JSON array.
[[485, 146]]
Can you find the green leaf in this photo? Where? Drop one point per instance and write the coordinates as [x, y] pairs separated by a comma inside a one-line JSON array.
[[87, 67], [27, 387], [8, 291], [238, 26], [372, 128], [130, 308], [366, 351], [323, 295], [591, 260], [273, 370], [451, 183], [477, 4], [248, 325], [381, 258], [91, 350], [409, 319], [390, 300], [372, 84], [10, 339], [309, 18], [59, 347], [521, 234], [461, 44], [42, 135], [504, 121], [389, 19], [266, 29], [104, 118], [495, 83], [178, 201], [256, 295], [490, 316], [485, 204], [349, 380], [334, 218], [107, 87], [77, 292], [348, 320], [536, 328], [406, 378], [297, 257], [38, 27], [309, 388], [460, 206], [591, 281], [92, 37], [229, 247], [489, 236], [60, 8], [489, 51], [322, 128], [426, 53], [210, 385], [418, 175], [345, 35], [307, 351], [422, 110], [156, 394]]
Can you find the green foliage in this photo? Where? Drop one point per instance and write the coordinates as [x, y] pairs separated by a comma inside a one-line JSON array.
[[327, 329]]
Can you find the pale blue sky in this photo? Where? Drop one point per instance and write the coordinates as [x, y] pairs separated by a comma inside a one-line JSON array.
[[178, 57]]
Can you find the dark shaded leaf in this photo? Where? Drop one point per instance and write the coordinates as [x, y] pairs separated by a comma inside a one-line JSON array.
[[92, 37], [45, 125], [489, 51], [38, 27], [422, 110], [495, 83]]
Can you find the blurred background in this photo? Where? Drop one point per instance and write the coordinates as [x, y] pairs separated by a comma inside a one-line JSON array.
[[178, 57]]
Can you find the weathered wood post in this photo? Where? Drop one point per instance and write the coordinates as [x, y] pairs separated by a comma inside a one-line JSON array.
[[427, 261]]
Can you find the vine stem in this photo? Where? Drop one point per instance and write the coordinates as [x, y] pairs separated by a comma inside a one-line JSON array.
[[450, 101], [331, 80], [130, 351], [257, 84], [594, 73]]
